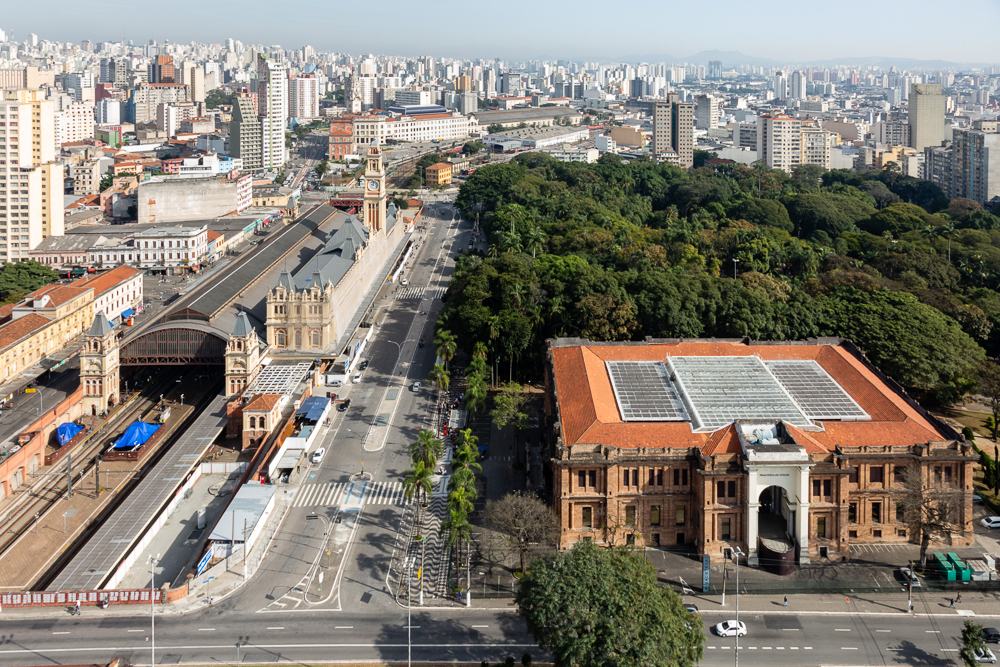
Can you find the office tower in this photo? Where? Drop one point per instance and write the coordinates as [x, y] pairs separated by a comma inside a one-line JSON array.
[[352, 95], [797, 87], [490, 82], [272, 108], [926, 115], [303, 96], [168, 118], [706, 114], [31, 183], [193, 75], [463, 83], [162, 70], [108, 112], [468, 103], [976, 164], [673, 131], [714, 69], [780, 85], [244, 132]]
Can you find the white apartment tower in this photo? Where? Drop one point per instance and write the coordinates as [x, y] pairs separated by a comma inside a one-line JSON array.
[[31, 182], [272, 107], [797, 86], [303, 97], [784, 142]]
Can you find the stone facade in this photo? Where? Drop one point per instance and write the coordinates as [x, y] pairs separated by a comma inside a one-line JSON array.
[[665, 485]]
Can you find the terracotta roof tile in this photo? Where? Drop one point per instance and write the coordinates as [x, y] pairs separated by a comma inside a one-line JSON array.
[[108, 280], [22, 327], [262, 403], [589, 412]]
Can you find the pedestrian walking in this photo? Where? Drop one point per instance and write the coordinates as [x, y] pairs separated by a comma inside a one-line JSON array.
[[78, 607], [959, 599], [786, 601], [952, 603]]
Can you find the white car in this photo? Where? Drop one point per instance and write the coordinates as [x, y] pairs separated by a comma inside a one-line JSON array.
[[731, 629], [415, 387], [317, 456], [991, 521], [357, 378], [985, 655]]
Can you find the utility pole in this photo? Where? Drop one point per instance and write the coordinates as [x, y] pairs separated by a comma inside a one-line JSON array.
[[152, 607], [736, 555], [69, 475], [909, 597]]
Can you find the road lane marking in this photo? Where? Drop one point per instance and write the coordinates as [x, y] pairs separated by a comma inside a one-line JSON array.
[[950, 649], [848, 648], [843, 629], [412, 627], [60, 633], [791, 629], [808, 648], [883, 631], [349, 627], [480, 626], [206, 629], [794, 648], [933, 632], [135, 631], [277, 627]]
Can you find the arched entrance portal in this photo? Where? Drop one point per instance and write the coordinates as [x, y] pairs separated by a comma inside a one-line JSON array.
[[775, 531]]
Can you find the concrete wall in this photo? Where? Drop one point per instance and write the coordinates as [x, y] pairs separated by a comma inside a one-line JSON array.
[[185, 199]]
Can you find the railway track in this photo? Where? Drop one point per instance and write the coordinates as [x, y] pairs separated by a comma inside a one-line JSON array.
[[55, 485]]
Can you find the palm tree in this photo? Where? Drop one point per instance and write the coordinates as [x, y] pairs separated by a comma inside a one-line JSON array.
[[460, 499], [479, 350], [475, 394], [947, 231], [887, 235], [417, 482], [536, 239], [929, 232], [445, 341], [426, 449], [440, 376]]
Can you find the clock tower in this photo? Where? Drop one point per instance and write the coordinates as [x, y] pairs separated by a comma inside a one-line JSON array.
[[374, 205]]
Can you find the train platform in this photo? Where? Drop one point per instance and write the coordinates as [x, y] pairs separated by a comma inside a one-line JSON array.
[[98, 560]]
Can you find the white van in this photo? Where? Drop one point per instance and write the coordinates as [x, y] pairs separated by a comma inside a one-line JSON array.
[[317, 456], [357, 378]]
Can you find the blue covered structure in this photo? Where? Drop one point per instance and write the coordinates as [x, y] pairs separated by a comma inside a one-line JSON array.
[[135, 436], [312, 408], [67, 432]]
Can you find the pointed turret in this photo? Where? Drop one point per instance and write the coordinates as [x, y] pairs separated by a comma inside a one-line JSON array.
[[285, 280], [243, 327], [100, 327]]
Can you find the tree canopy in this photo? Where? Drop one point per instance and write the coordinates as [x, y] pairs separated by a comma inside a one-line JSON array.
[[599, 607], [623, 250], [17, 279]]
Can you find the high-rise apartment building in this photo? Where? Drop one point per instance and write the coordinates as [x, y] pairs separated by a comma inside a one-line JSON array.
[[244, 132], [891, 133], [976, 165], [780, 85], [74, 121], [193, 75], [673, 131], [303, 96], [926, 115], [272, 108], [797, 86], [714, 69], [784, 142], [706, 113], [31, 181], [144, 100], [162, 70]]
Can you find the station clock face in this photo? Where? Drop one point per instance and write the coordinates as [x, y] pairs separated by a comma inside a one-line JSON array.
[[373, 185]]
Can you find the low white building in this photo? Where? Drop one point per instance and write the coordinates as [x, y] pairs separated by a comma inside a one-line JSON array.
[[605, 144], [425, 127], [170, 250], [569, 154], [117, 293]]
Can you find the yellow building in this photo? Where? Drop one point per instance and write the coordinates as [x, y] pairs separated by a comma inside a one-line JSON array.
[[438, 174], [45, 322]]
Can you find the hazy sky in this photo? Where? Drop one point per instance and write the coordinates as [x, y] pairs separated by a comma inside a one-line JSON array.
[[788, 31]]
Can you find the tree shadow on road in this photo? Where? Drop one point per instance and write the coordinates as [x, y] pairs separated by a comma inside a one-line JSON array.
[[455, 640], [908, 654]]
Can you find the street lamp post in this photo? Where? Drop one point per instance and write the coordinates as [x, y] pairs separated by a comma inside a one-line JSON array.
[[152, 608], [736, 556], [735, 262]]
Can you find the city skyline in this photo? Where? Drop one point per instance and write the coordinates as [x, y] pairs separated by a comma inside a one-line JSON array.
[[477, 33]]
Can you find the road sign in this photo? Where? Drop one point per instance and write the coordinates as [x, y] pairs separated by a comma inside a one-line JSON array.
[[420, 571], [705, 573]]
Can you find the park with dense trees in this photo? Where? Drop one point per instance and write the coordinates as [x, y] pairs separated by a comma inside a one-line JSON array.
[[623, 250]]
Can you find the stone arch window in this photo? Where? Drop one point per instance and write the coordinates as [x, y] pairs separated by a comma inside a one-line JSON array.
[[279, 338], [253, 422]]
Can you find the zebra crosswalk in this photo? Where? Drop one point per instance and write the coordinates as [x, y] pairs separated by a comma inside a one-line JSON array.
[[331, 493], [420, 292]]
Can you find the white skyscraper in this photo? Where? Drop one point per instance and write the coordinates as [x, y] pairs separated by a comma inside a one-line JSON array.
[[797, 87], [303, 97], [272, 107], [780, 85]]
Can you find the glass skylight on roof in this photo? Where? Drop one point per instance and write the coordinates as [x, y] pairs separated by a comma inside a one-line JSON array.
[[279, 378], [819, 396], [644, 392], [720, 390]]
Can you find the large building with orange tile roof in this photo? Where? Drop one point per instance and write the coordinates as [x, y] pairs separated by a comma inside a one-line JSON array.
[[790, 451]]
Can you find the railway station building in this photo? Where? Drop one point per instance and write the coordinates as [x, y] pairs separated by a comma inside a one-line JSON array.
[[790, 451]]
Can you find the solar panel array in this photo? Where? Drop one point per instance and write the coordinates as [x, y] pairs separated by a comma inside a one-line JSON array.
[[819, 396], [720, 390], [279, 378], [644, 391]]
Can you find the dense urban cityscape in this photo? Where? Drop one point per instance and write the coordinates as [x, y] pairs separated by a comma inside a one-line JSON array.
[[582, 361]]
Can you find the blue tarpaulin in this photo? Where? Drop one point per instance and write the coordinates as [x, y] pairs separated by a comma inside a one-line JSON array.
[[67, 432], [128, 312], [135, 435], [312, 408]]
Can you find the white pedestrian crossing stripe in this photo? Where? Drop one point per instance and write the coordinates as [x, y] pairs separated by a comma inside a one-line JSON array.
[[420, 292], [356, 493]]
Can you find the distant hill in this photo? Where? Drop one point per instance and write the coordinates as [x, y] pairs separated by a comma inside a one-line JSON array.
[[736, 59]]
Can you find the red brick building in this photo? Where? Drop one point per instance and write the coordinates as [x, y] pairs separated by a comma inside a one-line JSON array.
[[790, 451]]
